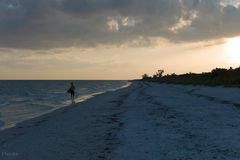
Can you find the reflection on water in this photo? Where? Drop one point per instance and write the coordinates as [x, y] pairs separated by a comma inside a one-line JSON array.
[[21, 100]]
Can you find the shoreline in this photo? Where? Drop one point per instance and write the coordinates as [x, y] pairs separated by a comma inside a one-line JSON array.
[[97, 117], [80, 99], [144, 121]]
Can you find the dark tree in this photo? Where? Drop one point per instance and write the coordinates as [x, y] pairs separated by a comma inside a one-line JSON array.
[[145, 77]]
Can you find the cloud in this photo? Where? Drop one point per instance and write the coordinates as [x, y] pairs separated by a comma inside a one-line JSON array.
[[45, 24]]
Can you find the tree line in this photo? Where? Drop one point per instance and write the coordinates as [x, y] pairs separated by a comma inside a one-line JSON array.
[[218, 76]]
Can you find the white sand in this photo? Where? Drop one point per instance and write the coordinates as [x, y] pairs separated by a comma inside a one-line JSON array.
[[169, 122], [145, 121]]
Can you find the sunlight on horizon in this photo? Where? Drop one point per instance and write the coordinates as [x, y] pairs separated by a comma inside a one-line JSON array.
[[232, 49], [114, 63]]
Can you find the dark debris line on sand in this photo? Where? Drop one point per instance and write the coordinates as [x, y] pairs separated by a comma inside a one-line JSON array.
[[210, 98], [166, 123]]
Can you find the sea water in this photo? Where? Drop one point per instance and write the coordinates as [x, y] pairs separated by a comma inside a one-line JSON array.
[[22, 100]]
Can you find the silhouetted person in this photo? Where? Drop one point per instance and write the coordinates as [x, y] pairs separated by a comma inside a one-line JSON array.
[[71, 90]]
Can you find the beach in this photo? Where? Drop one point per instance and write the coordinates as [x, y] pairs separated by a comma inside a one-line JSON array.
[[145, 121]]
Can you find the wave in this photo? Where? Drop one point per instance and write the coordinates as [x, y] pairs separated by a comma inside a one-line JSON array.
[[22, 102]]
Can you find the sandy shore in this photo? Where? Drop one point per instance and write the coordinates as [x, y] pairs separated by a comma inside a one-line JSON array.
[[145, 121], [86, 130]]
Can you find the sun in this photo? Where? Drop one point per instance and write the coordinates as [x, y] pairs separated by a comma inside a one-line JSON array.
[[233, 49]]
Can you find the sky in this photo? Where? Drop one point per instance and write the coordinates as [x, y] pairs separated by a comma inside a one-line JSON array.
[[116, 39]]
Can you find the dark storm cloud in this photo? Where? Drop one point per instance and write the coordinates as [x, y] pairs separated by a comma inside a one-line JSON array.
[[64, 23]]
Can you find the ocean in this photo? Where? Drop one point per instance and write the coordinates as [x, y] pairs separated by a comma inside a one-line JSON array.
[[23, 100]]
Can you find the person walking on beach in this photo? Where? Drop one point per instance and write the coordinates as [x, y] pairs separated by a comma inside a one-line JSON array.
[[71, 90]]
